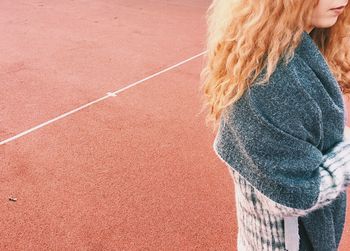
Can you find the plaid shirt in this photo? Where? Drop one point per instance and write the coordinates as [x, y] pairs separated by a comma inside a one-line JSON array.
[[264, 224]]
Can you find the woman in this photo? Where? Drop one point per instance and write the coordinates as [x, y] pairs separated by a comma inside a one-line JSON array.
[[274, 81]]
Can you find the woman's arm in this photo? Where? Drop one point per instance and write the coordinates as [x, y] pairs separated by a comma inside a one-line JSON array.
[[335, 178]]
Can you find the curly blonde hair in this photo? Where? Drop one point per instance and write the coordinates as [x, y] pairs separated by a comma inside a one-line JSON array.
[[245, 36]]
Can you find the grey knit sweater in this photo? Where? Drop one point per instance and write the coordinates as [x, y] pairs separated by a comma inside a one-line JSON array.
[[276, 138]]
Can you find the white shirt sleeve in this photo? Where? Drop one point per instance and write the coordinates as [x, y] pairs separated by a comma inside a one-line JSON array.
[[335, 178]]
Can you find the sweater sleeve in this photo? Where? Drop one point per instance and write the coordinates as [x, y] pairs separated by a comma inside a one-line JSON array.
[[272, 137], [335, 178]]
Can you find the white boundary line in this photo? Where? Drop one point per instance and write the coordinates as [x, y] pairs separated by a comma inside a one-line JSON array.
[[109, 94]]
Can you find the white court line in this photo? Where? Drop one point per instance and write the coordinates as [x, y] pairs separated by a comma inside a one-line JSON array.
[[109, 94]]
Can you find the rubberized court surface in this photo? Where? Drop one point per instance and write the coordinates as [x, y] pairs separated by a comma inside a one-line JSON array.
[[101, 143]]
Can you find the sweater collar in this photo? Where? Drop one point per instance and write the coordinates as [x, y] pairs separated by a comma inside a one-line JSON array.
[[310, 53]]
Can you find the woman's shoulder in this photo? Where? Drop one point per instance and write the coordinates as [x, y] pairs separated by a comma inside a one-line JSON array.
[[286, 90], [287, 79], [282, 102]]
